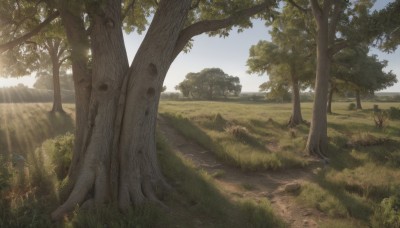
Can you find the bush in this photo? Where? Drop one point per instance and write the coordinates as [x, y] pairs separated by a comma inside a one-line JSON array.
[[388, 213], [376, 108], [380, 118], [394, 113], [5, 174], [351, 106], [61, 154]]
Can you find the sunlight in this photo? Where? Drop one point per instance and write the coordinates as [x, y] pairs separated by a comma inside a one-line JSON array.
[[26, 80]]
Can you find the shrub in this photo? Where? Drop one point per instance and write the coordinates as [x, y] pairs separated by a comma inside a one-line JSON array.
[[376, 108], [380, 118], [5, 174], [388, 213], [61, 154], [394, 113], [351, 106]]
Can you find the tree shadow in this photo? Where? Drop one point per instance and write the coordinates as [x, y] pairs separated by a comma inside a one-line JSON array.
[[355, 208]]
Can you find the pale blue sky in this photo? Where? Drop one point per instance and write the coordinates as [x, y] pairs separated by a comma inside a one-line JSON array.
[[231, 53]]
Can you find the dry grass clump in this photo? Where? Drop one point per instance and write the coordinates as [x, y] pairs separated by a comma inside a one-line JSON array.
[[238, 132]]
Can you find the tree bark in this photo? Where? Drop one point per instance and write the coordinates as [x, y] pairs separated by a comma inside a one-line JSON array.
[[79, 43], [119, 154], [358, 100], [53, 46], [57, 103], [330, 96], [138, 162], [317, 142], [296, 117]]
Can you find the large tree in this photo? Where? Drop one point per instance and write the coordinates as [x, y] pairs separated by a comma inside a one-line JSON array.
[[338, 25], [116, 103], [210, 83]]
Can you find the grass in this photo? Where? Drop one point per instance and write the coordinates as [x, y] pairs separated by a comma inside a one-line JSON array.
[[364, 160], [27, 199], [239, 142]]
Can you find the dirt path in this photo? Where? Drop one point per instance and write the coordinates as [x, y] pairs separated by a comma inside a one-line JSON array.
[[255, 185]]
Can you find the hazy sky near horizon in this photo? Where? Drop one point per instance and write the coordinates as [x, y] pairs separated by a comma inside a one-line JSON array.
[[230, 54]]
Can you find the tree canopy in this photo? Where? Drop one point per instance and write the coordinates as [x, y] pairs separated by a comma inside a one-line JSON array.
[[210, 83], [360, 71]]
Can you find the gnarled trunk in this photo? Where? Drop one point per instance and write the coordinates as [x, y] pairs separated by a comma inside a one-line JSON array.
[[296, 117], [118, 153], [358, 100]]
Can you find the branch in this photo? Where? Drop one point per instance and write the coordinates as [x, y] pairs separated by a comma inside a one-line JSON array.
[[64, 59], [127, 9], [212, 25], [316, 8], [195, 5], [337, 47], [302, 9], [61, 50], [334, 21], [19, 40]]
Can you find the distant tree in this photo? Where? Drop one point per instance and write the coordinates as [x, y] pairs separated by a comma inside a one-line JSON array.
[[44, 80], [55, 53], [287, 59], [209, 84], [163, 89], [355, 70]]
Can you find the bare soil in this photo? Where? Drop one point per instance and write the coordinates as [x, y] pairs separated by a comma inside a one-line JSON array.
[[238, 184]]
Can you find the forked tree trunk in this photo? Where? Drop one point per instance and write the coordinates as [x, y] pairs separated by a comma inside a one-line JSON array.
[[358, 100], [119, 155], [330, 97], [296, 117], [53, 47]]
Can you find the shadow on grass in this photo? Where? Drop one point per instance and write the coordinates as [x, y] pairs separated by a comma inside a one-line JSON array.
[[340, 158], [198, 197], [354, 205]]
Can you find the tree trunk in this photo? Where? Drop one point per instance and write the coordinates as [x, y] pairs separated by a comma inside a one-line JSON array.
[[330, 96], [358, 100], [79, 42], [57, 104], [296, 117], [317, 142], [119, 151]]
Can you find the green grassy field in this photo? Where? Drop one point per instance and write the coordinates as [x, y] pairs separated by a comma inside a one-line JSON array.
[[350, 189], [250, 136]]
